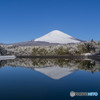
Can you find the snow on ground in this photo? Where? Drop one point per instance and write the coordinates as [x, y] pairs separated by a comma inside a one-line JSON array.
[[7, 57]]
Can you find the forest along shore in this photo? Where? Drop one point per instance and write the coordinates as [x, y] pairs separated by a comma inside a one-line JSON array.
[[82, 50]]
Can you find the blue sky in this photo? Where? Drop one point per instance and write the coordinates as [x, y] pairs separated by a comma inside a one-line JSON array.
[[22, 20]]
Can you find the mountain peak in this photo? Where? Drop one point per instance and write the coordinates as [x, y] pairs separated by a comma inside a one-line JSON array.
[[57, 36], [57, 32]]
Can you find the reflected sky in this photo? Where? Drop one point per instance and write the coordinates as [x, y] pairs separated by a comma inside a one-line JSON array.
[[24, 83]]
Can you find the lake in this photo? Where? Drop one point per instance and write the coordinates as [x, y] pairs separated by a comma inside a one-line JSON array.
[[48, 79]]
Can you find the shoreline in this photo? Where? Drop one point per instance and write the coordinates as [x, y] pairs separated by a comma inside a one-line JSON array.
[[61, 57], [52, 57]]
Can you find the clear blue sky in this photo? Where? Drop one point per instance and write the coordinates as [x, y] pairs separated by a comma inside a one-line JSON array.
[[22, 20]]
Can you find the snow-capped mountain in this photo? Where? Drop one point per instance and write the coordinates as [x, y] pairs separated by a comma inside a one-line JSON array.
[[57, 36]]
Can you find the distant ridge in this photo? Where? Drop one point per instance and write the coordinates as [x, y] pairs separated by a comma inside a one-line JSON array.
[[34, 43]]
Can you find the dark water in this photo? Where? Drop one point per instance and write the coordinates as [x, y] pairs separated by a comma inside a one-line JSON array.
[[48, 79]]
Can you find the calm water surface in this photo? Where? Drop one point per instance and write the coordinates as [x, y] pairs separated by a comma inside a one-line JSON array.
[[48, 79]]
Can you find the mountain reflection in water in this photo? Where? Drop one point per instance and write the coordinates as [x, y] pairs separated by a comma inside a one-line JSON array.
[[54, 68]]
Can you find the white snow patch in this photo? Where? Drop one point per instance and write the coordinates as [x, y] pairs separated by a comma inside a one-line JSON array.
[[7, 57], [86, 54]]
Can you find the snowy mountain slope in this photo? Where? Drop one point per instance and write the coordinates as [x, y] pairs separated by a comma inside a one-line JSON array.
[[57, 36]]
